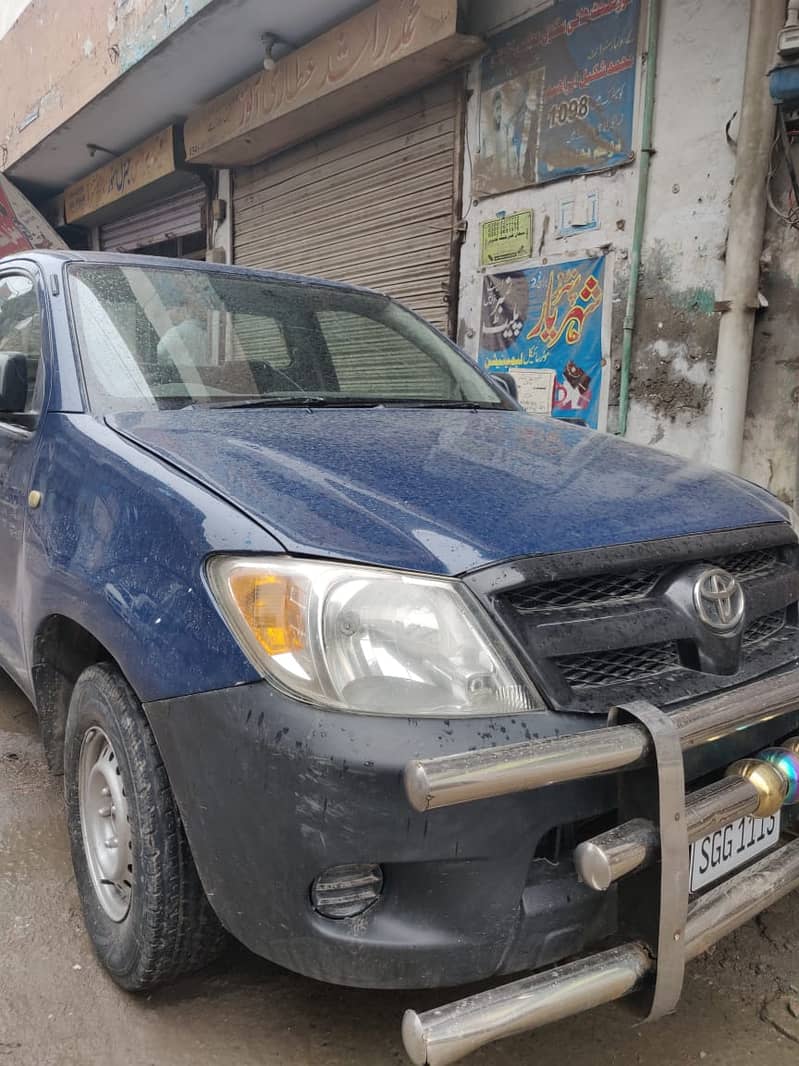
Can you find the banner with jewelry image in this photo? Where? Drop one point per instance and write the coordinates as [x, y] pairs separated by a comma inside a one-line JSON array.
[[543, 325]]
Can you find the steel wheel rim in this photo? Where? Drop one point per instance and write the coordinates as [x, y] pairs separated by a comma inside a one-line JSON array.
[[105, 824]]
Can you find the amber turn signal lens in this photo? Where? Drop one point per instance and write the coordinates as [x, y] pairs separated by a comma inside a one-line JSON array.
[[271, 607]]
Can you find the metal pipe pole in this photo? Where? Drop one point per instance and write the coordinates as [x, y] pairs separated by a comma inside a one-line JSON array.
[[444, 1035], [641, 201], [745, 239]]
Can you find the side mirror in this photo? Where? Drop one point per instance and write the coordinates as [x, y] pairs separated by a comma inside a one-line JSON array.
[[508, 383], [13, 382]]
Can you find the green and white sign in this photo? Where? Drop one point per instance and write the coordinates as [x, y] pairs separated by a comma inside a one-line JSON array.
[[506, 239]]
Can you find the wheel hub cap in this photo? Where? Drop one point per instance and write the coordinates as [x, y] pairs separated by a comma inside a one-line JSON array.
[[105, 823]]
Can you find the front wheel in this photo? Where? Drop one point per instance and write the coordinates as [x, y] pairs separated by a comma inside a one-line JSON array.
[[143, 904]]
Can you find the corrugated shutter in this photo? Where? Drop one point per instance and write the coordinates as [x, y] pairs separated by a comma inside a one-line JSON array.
[[175, 216], [260, 337], [371, 203], [371, 359]]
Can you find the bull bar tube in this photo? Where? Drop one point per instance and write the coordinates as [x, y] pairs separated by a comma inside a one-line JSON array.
[[648, 745]]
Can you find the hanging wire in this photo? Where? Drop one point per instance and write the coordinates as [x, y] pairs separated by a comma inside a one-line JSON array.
[[782, 141], [468, 145]]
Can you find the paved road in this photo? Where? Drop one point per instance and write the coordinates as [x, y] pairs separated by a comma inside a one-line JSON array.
[[57, 1007]]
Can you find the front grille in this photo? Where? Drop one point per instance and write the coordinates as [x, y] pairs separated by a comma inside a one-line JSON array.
[[747, 564], [617, 667], [763, 629], [585, 591], [650, 660], [612, 588], [604, 626]]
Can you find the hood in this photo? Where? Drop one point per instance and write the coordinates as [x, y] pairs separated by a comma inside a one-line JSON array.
[[442, 491]]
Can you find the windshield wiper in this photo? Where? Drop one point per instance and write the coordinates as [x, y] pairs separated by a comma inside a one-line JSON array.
[[456, 405], [294, 401], [353, 401]]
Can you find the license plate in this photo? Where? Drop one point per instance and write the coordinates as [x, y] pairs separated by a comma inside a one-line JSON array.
[[719, 853]]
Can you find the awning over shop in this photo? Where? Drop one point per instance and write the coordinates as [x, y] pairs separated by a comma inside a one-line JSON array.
[[380, 54], [150, 171], [142, 165]]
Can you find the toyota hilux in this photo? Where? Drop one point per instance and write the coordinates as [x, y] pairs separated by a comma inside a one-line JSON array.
[[342, 653]]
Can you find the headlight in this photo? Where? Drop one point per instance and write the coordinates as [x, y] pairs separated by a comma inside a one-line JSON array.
[[359, 638]]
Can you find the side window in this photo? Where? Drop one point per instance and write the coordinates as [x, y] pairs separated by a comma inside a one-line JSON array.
[[21, 326]]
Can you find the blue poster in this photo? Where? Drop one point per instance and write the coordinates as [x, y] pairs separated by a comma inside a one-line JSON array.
[[549, 318], [557, 95]]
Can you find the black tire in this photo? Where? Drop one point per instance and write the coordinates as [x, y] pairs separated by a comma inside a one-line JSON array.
[[169, 928]]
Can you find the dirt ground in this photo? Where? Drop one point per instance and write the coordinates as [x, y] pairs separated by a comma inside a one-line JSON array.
[[741, 1005]]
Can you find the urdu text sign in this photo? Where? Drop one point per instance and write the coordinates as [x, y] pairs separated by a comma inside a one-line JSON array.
[[503, 240], [557, 95]]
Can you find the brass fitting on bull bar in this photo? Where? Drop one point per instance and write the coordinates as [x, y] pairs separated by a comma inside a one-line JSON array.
[[768, 781]]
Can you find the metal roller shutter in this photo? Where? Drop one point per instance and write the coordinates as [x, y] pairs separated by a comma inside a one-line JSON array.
[[372, 359], [175, 216], [372, 203]]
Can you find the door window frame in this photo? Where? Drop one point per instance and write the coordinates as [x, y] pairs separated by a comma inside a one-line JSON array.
[[24, 422]]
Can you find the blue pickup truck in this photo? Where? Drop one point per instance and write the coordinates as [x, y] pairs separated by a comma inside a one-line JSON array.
[[342, 653]]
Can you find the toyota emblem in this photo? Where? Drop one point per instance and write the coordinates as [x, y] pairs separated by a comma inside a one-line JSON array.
[[719, 600]]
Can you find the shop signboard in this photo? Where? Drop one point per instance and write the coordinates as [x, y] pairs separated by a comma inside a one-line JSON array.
[[506, 239]]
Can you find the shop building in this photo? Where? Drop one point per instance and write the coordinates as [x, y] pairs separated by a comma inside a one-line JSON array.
[[550, 183], [346, 159], [144, 202]]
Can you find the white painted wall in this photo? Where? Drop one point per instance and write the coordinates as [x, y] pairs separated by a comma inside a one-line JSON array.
[[700, 79], [10, 10], [222, 232], [771, 435]]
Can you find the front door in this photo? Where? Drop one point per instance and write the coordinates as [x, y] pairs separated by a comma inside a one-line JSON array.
[[20, 333]]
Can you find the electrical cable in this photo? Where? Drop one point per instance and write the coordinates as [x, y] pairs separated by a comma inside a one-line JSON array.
[[465, 214], [792, 217], [785, 144]]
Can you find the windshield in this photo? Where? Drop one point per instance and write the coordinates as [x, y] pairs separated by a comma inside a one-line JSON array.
[[161, 337]]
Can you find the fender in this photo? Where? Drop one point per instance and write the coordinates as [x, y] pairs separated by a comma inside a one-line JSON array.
[[117, 545]]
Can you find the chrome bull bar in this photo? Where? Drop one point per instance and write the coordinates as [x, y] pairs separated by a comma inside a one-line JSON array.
[[680, 931], [473, 775], [446, 1034]]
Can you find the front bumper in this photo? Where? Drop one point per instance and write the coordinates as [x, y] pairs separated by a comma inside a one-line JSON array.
[[273, 792], [645, 858]]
